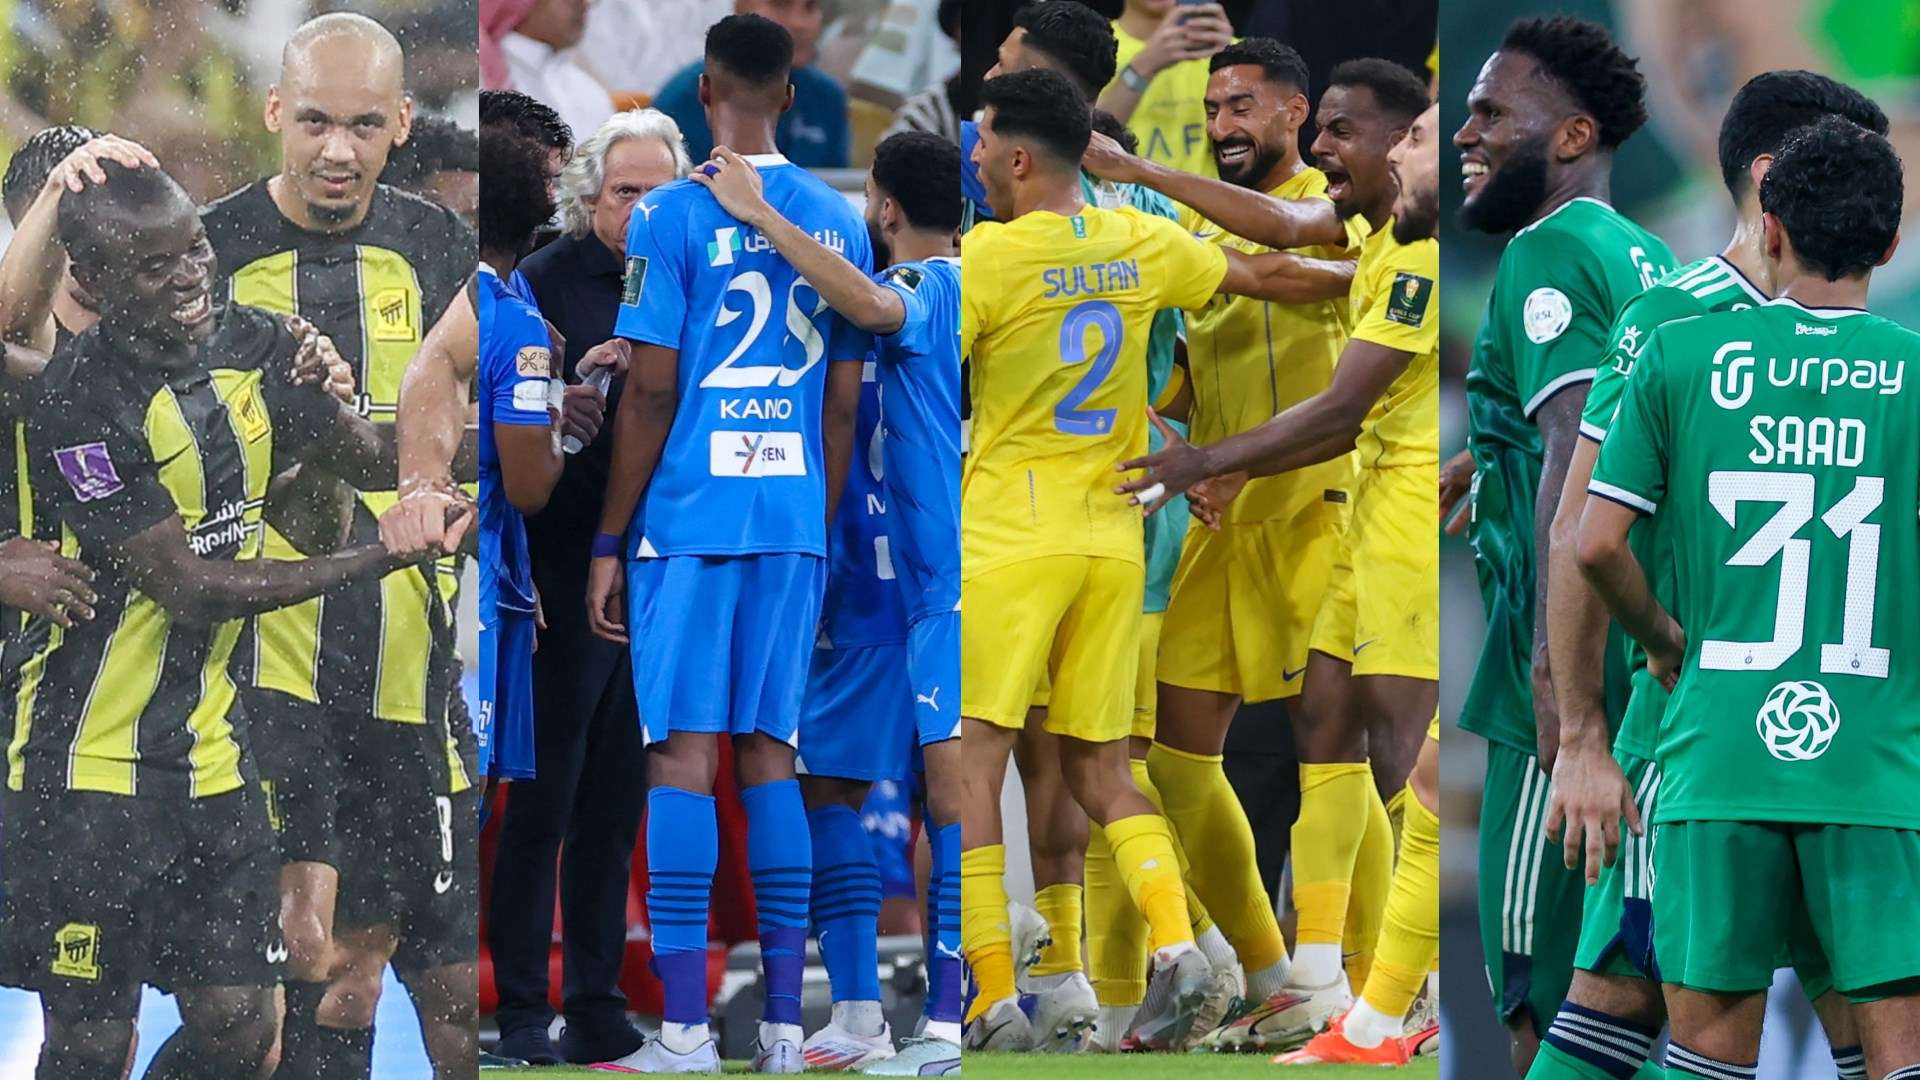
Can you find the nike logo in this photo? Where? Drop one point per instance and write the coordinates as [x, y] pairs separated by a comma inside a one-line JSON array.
[[1362, 645], [928, 699], [1289, 676], [442, 881], [277, 952]]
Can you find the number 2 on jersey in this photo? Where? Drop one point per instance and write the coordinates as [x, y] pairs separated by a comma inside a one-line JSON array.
[[1099, 315]]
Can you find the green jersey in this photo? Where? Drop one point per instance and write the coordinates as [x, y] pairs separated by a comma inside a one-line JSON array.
[[1779, 449], [1701, 287], [1561, 282]]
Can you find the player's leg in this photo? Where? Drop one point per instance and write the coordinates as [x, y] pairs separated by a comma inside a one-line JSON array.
[[1337, 799], [1063, 1003], [225, 1031], [445, 998], [1847, 874], [346, 1011]]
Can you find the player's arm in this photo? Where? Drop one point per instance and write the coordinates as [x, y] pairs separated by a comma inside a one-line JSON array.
[[1558, 419], [1617, 576], [1253, 215], [841, 406], [640, 426], [526, 430], [202, 592], [1287, 278], [430, 428], [34, 267], [736, 184]]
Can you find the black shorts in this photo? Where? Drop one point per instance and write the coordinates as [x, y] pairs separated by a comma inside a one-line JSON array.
[[407, 844], [106, 892], [299, 772]]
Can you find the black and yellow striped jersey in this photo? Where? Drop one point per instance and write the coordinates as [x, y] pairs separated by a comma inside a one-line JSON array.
[[21, 512], [135, 702]]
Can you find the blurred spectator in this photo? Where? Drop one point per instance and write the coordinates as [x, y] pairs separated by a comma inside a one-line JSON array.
[[524, 46], [587, 796], [813, 133], [1160, 90], [933, 109], [632, 46], [441, 161]]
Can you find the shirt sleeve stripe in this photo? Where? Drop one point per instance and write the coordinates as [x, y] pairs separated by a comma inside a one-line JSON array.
[[1593, 431], [1622, 496], [1554, 387]]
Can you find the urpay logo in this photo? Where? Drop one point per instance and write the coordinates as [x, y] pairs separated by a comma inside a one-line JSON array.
[[723, 246]]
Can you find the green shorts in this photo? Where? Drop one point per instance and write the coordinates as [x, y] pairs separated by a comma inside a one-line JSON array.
[[1736, 898], [1529, 900], [1616, 912]]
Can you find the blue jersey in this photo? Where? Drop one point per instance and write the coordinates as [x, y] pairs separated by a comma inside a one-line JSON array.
[[743, 470], [919, 373], [515, 366], [863, 605]]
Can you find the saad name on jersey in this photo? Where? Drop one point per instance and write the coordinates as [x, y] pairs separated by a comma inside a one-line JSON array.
[[1795, 440]]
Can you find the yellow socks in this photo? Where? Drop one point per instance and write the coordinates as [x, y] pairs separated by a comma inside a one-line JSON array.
[[1060, 906], [1326, 839], [1367, 901], [1199, 800], [1410, 941], [1142, 848], [986, 932], [1116, 934], [1196, 911]]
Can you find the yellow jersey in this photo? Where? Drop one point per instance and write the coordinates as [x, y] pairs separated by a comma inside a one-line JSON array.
[[1055, 314], [1250, 360], [1396, 303], [1171, 119]]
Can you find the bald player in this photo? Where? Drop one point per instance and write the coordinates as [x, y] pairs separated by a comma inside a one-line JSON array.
[[369, 782]]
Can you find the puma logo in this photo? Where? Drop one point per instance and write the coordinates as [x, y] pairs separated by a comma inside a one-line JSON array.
[[928, 699]]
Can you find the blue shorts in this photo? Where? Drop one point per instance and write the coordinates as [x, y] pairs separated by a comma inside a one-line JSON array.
[[858, 723], [933, 667], [887, 815], [720, 644], [503, 726]]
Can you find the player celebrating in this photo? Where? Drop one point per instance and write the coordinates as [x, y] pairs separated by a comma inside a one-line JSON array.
[[912, 308], [731, 443], [1544, 118], [1613, 1006], [1817, 790], [1053, 558]]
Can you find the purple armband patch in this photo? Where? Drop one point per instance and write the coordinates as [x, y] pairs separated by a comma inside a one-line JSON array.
[[89, 471]]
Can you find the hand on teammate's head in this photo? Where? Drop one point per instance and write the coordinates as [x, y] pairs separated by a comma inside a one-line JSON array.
[[82, 167], [1107, 159]]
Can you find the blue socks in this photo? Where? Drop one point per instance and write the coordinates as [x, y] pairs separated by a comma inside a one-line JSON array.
[[780, 856], [943, 921], [846, 902], [683, 845]]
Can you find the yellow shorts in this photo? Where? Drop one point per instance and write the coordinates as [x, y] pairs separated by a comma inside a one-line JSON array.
[[1240, 618], [1146, 689], [1072, 618], [1382, 605], [1433, 728]]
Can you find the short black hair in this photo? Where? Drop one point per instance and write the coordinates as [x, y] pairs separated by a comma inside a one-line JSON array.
[[751, 47], [1771, 106], [1400, 93], [921, 171], [1038, 103], [1281, 62], [948, 17], [1075, 36], [1116, 129], [436, 144], [88, 216], [1836, 188], [533, 119], [514, 201], [28, 169], [1581, 56]]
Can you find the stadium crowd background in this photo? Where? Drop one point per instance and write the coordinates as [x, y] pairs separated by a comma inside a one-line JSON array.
[[1666, 178]]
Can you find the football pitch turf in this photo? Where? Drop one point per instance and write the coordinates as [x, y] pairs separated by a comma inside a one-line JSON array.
[[1100, 1066]]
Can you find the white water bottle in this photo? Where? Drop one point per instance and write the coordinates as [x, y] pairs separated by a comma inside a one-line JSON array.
[[600, 379]]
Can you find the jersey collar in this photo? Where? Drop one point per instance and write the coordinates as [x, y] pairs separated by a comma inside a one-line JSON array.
[[1818, 312], [1603, 204], [1740, 279], [765, 161]]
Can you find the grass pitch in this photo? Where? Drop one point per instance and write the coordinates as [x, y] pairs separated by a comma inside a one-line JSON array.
[[1105, 1067]]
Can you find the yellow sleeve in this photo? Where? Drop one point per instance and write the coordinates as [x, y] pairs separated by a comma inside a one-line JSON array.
[[974, 286], [1185, 269], [1405, 313]]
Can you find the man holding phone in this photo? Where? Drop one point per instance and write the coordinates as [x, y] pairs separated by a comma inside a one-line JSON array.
[[1159, 90]]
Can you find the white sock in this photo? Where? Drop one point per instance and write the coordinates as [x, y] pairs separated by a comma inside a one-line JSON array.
[[773, 1033], [944, 1030], [860, 1017], [1315, 966], [1433, 988], [683, 1038], [1219, 953], [1110, 1024], [1367, 1027], [1268, 981]]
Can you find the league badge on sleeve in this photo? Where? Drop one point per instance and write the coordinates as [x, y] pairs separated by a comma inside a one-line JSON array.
[[89, 471], [1407, 300], [636, 276]]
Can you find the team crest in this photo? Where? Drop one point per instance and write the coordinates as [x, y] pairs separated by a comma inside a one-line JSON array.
[[76, 952], [636, 276], [392, 315], [249, 416], [88, 469], [1408, 299]]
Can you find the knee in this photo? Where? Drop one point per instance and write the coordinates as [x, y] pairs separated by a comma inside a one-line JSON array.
[[761, 759], [685, 761], [350, 1001], [309, 945], [86, 1050], [243, 1033]]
